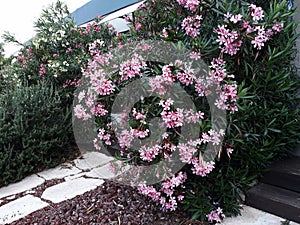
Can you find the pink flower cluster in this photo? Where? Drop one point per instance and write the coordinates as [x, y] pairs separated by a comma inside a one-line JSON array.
[[24, 58], [132, 68], [256, 12], [188, 151], [192, 5], [95, 47], [172, 119], [192, 117], [227, 92], [43, 70], [138, 115], [230, 40], [158, 84], [103, 136], [218, 72], [166, 195], [80, 112], [125, 139], [215, 215], [74, 83], [191, 25], [227, 98], [202, 168], [149, 153]]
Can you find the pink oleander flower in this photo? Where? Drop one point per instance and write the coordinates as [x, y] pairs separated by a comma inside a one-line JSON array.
[[215, 215], [229, 41], [103, 86], [99, 110], [191, 25], [158, 84], [104, 136], [149, 153], [261, 37], [125, 139], [195, 55], [192, 5], [139, 133], [186, 77], [256, 12], [227, 98], [236, 18], [173, 119], [81, 113], [193, 117], [202, 168], [277, 28], [138, 115], [169, 78], [69, 50], [81, 96], [218, 72], [166, 104], [149, 191], [170, 205], [138, 26], [43, 70], [164, 33], [229, 151], [186, 152], [132, 68], [181, 2]]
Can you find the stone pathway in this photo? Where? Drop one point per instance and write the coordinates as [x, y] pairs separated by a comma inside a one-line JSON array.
[[84, 174], [76, 181]]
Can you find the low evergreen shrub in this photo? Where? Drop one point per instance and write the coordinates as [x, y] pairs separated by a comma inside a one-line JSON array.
[[34, 131]]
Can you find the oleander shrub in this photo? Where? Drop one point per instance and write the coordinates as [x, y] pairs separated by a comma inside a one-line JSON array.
[[249, 47], [34, 131], [59, 49]]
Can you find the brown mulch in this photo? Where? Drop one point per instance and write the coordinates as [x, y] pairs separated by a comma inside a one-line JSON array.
[[109, 204]]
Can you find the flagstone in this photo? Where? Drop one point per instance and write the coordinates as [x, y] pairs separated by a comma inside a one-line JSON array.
[[92, 160], [20, 208], [59, 172], [24, 185], [70, 189]]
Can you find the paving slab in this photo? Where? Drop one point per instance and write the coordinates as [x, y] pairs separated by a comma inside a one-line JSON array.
[[103, 172], [252, 216], [75, 176], [70, 189], [92, 160], [59, 172], [20, 208], [24, 185]]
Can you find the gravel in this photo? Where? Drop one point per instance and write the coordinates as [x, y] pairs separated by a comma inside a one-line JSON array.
[[109, 204]]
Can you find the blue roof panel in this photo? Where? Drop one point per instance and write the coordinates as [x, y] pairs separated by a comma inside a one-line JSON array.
[[93, 8]]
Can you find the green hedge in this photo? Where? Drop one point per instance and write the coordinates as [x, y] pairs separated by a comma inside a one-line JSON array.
[[34, 131]]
